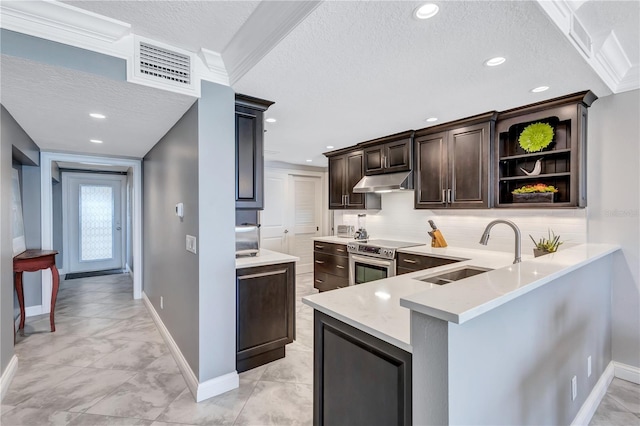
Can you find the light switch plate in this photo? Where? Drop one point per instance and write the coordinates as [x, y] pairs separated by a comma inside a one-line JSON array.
[[191, 244]]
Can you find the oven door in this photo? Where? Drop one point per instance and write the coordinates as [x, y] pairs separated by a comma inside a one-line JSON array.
[[363, 269]]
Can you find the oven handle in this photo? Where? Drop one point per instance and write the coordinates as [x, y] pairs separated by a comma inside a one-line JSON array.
[[372, 260]]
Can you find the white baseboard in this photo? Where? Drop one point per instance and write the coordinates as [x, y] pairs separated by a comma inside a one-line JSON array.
[[128, 269], [200, 391], [7, 376], [61, 272], [590, 405], [31, 311], [627, 372]]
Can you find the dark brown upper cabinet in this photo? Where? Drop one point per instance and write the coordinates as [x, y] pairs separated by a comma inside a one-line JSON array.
[[389, 154], [250, 152], [345, 171], [453, 164], [563, 162]]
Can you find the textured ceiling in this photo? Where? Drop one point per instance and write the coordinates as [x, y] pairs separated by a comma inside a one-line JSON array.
[[53, 104], [189, 25], [354, 71]]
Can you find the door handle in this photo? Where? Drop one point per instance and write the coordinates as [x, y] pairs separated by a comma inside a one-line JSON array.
[[346, 197], [286, 231], [339, 266], [409, 261], [444, 196], [118, 228], [449, 195], [319, 262], [319, 247]]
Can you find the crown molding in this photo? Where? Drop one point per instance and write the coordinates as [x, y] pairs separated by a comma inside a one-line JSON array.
[[63, 23], [213, 68], [609, 60], [269, 23]]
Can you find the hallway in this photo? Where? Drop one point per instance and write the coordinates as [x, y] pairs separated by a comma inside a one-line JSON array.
[[108, 364]]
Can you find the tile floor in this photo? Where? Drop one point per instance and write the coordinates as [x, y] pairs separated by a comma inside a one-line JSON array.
[[107, 365]]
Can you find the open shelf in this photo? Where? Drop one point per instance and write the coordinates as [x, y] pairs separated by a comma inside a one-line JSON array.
[[541, 176], [536, 154]]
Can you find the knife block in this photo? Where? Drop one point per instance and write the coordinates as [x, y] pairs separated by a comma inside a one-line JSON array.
[[437, 240]]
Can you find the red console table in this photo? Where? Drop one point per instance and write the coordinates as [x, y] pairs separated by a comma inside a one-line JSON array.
[[32, 261]]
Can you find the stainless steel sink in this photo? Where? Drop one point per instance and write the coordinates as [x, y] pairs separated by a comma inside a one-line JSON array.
[[454, 275]]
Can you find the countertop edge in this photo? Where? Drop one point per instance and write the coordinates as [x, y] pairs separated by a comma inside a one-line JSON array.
[[266, 258]]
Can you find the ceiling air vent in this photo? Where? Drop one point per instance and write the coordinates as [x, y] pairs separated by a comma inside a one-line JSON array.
[[165, 64]]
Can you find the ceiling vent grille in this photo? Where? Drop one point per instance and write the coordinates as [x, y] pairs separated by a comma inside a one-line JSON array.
[[165, 64]]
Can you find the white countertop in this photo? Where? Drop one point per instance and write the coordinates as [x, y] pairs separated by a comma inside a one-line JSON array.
[[333, 239], [380, 307], [264, 257]]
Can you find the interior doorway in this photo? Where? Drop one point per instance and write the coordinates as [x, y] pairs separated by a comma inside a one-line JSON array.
[[94, 212]]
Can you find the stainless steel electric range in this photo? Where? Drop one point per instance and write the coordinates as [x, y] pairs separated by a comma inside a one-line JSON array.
[[373, 259]]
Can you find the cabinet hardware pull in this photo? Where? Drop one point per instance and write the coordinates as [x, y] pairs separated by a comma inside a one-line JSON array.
[[319, 247], [444, 196], [409, 261], [319, 281], [341, 250], [339, 266], [319, 262], [346, 197], [449, 195]]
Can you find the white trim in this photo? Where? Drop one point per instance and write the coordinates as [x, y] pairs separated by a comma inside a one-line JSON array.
[[214, 64], [200, 391], [46, 203], [7, 376], [590, 405], [128, 269], [627, 372], [32, 311]]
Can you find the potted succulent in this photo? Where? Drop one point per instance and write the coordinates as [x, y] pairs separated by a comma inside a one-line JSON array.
[[538, 193], [546, 245]]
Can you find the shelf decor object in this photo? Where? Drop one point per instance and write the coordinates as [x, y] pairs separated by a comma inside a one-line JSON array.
[[536, 137], [543, 143], [538, 193]]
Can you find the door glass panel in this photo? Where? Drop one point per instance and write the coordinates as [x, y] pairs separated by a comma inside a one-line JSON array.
[[96, 222], [365, 273]]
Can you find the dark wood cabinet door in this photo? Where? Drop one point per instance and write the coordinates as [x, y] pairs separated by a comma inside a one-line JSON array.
[[249, 159], [469, 155], [337, 178], [354, 172], [265, 313], [398, 156], [431, 171], [374, 160], [358, 379]]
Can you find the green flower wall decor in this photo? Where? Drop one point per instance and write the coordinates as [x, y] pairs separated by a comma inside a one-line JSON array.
[[535, 137]]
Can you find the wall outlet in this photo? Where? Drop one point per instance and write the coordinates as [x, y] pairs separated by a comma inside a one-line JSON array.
[[161, 302], [589, 366], [191, 244], [574, 388]]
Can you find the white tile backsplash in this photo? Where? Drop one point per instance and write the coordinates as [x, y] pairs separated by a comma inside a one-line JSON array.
[[462, 228]]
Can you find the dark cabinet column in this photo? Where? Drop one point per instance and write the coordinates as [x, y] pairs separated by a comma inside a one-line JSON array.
[[354, 163], [469, 166], [337, 178], [431, 173]]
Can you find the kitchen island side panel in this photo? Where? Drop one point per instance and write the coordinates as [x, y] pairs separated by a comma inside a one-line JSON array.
[[514, 365]]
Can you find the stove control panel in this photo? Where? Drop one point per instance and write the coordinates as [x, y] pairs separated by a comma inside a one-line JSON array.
[[371, 250]]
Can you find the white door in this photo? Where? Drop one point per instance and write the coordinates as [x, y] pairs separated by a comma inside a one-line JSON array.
[[306, 217], [273, 219], [93, 213]]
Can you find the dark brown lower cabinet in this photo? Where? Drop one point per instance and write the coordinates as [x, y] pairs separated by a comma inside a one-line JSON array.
[[265, 313], [358, 379]]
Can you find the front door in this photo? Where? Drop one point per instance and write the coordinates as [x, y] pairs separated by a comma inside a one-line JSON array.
[[93, 212]]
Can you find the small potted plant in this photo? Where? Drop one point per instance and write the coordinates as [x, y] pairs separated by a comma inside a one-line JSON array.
[[546, 245], [538, 193]]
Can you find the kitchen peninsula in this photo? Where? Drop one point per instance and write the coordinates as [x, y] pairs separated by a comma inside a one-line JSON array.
[[469, 347], [265, 307]]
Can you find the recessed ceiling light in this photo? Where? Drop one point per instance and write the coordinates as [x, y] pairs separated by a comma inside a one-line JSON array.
[[539, 89], [498, 60], [308, 161], [329, 146], [431, 119], [426, 11], [270, 120], [97, 115], [95, 141]]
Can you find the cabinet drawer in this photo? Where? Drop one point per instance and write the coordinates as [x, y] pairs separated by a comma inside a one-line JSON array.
[[416, 262], [331, 264], [330, 248], [325, 282]]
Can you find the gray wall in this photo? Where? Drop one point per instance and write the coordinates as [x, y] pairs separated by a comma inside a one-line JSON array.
[[614, 205], [514, 365], [171, 176], [31, 213], [216, 174]]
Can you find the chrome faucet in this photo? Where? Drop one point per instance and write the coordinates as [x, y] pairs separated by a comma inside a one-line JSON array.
[[485, 236]]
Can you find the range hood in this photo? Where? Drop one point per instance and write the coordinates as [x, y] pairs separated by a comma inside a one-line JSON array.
[[387, 182]]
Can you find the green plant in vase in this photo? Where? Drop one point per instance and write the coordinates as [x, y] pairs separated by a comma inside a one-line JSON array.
[[546, 245], [536, 137]]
